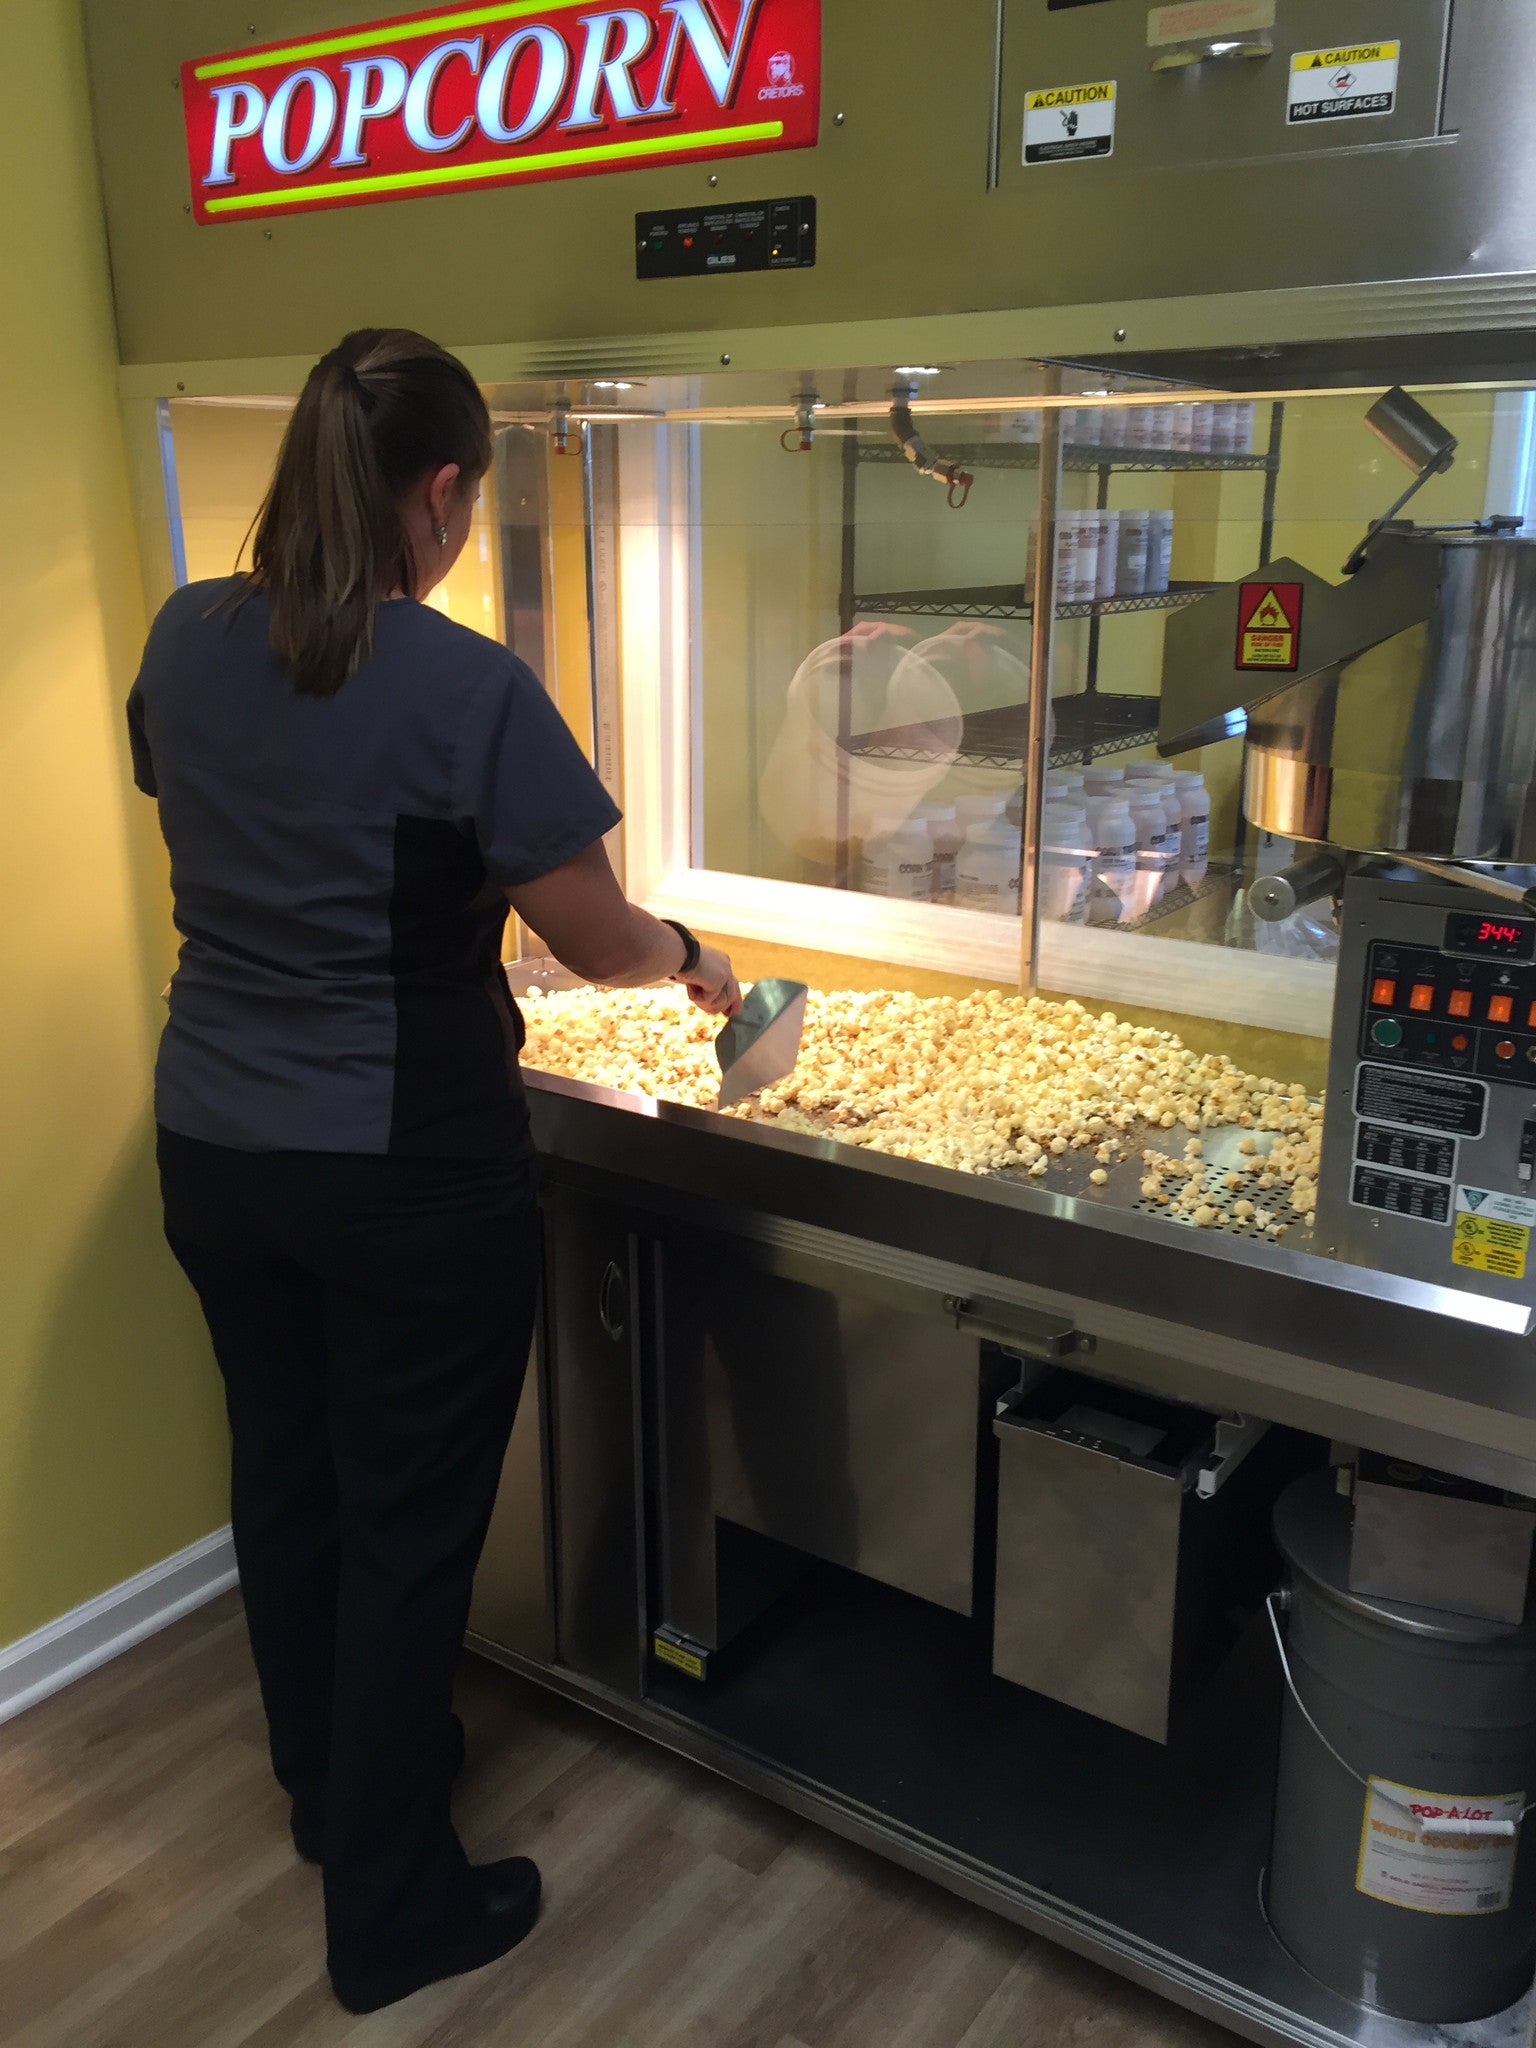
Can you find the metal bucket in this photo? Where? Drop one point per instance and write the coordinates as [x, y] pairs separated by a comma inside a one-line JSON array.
[[1426, 743], [1381, 1891]]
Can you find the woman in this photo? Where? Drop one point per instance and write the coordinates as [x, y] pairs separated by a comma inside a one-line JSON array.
[[353, 790]]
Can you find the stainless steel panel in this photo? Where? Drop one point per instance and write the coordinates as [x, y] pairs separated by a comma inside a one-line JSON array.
[[819, 1415], [1222, 111], [594, 1318], [1433, 1550], [1427, 743], [513, 1603], [1087, 1578]]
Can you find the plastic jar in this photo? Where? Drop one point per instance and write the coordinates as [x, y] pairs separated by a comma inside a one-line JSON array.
[[1224, 429], [1085, 567], [1245, 419], [1107, 584], [1113, 861], [1068, 539], [1151, 823], [1195, 825], [1064, 863], [1159, 551], [1183, 427], [987, 868], [946, 836], [1101, 781], [1203, 438], [898, 860], [1131, 536]]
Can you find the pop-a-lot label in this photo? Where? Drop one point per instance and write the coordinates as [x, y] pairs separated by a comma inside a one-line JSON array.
[[471, 96]]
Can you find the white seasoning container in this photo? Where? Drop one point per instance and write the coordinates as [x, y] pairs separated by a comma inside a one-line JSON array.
[[1203, 433], [1085, 567], [1159, 552], [1101, 781], [1113, 879], [1109, 555], [987, 868], [1224, 430], [1173, 838], [1064, 863], [1068, 536], [946, 836], [1183, 428], [1195, 825], [1151, 826], [898, 860], [1131, 553], [1243, 432]]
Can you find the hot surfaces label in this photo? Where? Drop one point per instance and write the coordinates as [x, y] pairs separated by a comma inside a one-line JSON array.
[[469, 96], [1354, 80]]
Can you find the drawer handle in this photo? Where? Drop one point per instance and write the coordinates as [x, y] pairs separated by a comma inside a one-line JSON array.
[[613, 1302], [1029, 1331]]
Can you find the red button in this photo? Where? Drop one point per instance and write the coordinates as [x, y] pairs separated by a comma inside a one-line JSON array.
[[1504, 1049], [1500, 1010], [1384, 992], [1423, 996], [1460, 1004], [1460, 1042]]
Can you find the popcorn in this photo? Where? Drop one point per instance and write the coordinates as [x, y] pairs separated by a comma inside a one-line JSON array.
[[982, 1084]]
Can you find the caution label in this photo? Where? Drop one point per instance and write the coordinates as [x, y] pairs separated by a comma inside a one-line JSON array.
[[1412, 1856], [1350, 83], [1269, 626], [1482, 1244], [1065, 123]]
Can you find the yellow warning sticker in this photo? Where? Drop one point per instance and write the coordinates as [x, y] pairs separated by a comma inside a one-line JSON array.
[[673, 1653], [1353, 82], [1067, 123], [1485, 1245]]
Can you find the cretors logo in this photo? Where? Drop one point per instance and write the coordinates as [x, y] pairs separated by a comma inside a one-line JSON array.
[[782, 83]]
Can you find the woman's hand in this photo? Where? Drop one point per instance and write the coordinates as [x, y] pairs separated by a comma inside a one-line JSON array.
[[712, 984]]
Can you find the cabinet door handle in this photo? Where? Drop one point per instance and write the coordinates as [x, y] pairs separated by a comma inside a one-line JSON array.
[[613, 1301], [1030, 1331]]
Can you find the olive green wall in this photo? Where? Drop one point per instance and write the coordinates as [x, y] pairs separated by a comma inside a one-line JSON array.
[[112, 1450]]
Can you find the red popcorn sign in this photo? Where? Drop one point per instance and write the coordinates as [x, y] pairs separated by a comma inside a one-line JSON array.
[[465, 97]]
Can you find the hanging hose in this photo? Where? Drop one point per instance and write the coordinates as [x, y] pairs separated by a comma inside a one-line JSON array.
[[1457, 1830], [920, 455]]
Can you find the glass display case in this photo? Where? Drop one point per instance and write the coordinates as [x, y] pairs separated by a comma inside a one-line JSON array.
[[798, 623]]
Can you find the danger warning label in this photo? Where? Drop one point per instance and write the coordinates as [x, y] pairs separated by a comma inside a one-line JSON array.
[[1352, 81], [1269, 626]]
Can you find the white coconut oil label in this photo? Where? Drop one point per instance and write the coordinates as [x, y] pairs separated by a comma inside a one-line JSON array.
[[1415, 1853]]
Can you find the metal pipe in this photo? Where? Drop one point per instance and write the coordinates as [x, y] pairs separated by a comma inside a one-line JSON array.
[[1042, 642], [1273, 898], [920, 455]]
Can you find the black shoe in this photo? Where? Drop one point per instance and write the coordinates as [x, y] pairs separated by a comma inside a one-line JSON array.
[[509, 1909], [309, 1838]]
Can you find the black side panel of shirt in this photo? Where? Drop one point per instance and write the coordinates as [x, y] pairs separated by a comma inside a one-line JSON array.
[[457, 1088]]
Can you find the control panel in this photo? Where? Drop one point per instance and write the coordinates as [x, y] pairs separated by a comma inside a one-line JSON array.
[[721, 241], [1429, 1137]]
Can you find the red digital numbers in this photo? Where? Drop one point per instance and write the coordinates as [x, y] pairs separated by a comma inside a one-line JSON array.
[[1490, 934]]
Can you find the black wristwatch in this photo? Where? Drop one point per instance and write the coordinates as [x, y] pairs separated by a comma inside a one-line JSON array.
[[691, 948]]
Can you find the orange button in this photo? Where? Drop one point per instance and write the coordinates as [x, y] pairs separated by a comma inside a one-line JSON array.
[[1500, 1010], [1384, 992], [1504, 1049], [1460, 1042], [1460, 1004], [1423, 996], [1530, 1022]]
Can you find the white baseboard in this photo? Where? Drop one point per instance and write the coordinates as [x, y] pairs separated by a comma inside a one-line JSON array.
[[60, 1652]]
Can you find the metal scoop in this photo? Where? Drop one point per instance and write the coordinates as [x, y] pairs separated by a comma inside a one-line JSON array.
[[762, 1043]]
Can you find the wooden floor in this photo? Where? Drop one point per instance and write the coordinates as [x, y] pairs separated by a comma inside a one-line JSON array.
[[150, 1898]]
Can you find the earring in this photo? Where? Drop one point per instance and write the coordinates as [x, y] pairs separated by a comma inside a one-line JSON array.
[[440, 534]]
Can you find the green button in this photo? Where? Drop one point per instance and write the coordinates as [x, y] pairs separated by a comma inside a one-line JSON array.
[[1387, 1031]]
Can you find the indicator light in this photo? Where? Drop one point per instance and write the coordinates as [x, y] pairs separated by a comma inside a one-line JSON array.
[[1384, 992], [1500, 1010], [1460, 1042], [1422, 997], [1504, 1049], [1460, 1004], [1530, 1021], [1387, 1032]]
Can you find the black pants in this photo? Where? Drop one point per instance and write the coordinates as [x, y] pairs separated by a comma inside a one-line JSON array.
[[372, 1319]]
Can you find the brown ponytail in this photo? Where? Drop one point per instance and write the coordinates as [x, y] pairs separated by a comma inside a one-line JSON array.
[[384, 408]]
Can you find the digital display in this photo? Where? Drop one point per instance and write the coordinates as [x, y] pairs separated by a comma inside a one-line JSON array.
[[1493, 938]]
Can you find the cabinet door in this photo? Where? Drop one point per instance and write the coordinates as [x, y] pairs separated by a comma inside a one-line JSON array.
[[513, 1606], [592, 1276]]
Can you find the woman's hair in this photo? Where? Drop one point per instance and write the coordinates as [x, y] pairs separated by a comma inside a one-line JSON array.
[[375, 415]]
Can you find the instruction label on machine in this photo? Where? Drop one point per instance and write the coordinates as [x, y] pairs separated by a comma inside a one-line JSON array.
[[1405, 1863], [1422, 1102], [1064, 123], [1493, 1232], [1349, 83]]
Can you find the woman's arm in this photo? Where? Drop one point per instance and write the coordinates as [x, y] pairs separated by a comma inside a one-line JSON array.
[[587, 922]]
